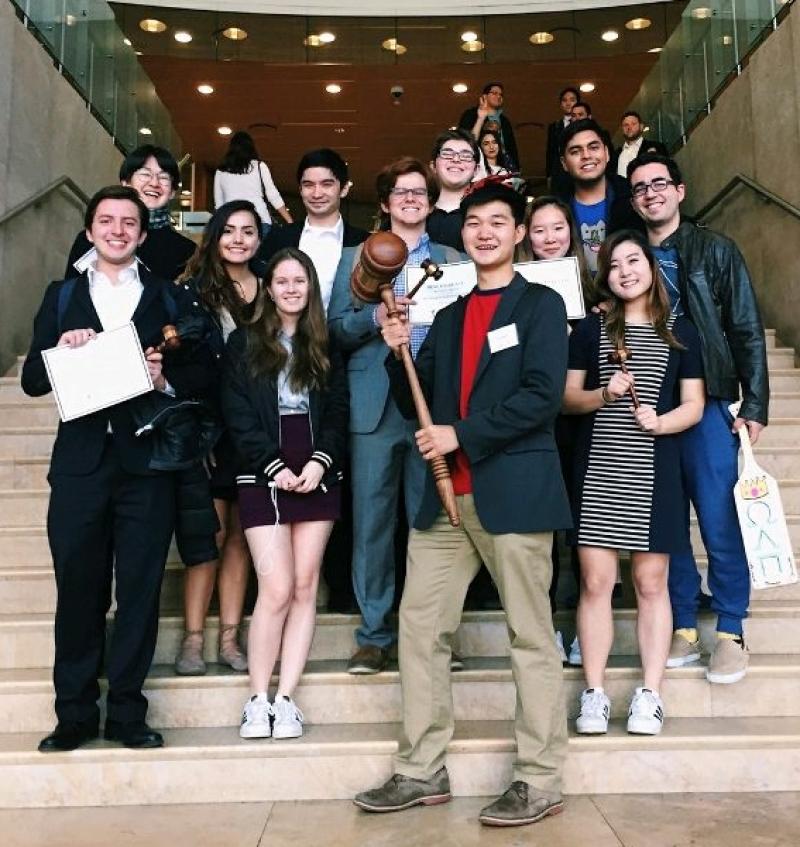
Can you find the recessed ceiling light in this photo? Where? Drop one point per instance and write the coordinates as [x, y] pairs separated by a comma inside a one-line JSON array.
[[182, 37], [327, 37], [205, 88], [312, 41], [394, 46], [127, 42], [138, 52], [186, 193], [586, 87], [542, 38], [461, 88], [638, 23], [472, 46], [610, 35], [145, 130], [469, 35], [333, 88], [701, 13], [655, 49], [235, 33], [224, 130], [339, 130], [152, 25]]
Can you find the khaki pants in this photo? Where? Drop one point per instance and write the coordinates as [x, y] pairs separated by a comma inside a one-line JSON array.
[[442, 562]]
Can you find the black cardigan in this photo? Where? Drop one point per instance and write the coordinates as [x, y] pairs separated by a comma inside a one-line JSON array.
[[250, 408]]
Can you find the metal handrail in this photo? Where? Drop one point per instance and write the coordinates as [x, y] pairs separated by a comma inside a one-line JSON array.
[[65, 181], [741, 179]]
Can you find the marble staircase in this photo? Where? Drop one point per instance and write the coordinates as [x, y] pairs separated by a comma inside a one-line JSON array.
[[744, 737]]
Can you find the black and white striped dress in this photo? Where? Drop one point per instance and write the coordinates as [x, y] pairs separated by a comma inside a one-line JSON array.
[[628, 492]]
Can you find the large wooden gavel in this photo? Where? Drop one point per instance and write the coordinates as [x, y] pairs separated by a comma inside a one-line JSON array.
[[620, 357], [383, 256]]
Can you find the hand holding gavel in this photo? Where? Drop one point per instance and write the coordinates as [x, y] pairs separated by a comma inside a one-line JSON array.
[[155, 355], [620, 357]]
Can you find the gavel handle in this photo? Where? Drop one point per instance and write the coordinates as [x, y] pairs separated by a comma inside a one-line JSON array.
[[634, 397]]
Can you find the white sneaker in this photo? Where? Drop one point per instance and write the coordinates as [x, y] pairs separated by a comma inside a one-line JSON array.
[[595, 711], [562, 653], [575, 658], [646, 713], [288, 719], [255, 718]]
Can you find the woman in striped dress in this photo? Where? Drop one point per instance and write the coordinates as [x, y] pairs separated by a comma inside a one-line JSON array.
[[627, 493]]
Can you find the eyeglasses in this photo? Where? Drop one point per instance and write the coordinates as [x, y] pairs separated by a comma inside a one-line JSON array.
[[162, 177], [404, 192], [450, 155], [659, 186]]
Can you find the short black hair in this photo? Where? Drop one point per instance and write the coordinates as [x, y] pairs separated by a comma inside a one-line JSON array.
[[135, 160], [455, 135], [586, 105], [488, 193], [116, 192], [657, 159], [490, 85], [631, 114], [586, 125], [324, 157], [567, 91]]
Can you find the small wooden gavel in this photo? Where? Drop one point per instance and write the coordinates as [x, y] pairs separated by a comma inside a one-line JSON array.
[[620, 357], [172, 338]]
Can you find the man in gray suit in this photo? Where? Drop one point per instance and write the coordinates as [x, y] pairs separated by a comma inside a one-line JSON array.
[[382, 448]]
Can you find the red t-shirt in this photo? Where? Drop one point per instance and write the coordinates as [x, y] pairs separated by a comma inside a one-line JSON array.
[[481, 307]]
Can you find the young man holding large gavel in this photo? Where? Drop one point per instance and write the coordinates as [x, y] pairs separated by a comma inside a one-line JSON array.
[[492, 368], [108, 512]]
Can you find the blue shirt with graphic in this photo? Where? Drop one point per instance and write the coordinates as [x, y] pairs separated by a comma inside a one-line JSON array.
[[592, 220], [668, 265]]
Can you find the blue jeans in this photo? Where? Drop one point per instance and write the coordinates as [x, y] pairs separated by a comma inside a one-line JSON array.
[[709, 454]]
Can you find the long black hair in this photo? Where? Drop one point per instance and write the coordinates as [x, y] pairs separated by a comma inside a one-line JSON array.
[[241, 153]]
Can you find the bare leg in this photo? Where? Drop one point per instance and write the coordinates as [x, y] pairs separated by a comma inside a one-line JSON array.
[[654, 621], [234, 569], [308, 543], [595, 618]]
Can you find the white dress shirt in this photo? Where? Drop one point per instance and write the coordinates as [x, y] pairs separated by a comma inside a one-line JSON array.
[[323, 245], [630, 150], [115, 303]]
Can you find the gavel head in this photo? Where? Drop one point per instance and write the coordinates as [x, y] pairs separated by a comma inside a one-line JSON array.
[[383, 255], [432, 269], [172, 339], [620, 356]]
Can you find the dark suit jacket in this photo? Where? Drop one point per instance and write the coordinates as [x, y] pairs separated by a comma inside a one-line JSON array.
[[508, 432], [552, 157], [289, 236], [80, 443]]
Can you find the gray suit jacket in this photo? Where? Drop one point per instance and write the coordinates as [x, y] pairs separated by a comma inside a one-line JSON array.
[[352, 326]]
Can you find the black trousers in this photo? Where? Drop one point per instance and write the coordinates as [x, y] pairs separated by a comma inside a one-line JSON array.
[[109, 521]]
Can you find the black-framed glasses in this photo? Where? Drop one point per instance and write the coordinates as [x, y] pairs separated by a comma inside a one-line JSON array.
[[404, 192], [450, 155], [659, 185]]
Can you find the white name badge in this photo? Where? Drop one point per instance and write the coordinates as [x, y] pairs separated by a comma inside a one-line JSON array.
[[502, 338]]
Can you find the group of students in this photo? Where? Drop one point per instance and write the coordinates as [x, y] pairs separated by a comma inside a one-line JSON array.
[[302, 375]]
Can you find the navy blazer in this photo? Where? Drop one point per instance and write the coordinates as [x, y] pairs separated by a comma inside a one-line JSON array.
[[80, 443], [508, 433]]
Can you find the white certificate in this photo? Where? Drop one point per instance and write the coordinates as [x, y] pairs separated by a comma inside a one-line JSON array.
[[458, 279], [107, 370], [563, 276]]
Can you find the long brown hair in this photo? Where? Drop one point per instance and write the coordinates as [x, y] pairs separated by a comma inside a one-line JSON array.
[[266, 355], [658, 302], [214, 285]]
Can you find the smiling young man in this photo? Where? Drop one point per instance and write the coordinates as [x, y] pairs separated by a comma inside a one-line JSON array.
[[493, 368], [109, 513], [707, 280], [382, 453]]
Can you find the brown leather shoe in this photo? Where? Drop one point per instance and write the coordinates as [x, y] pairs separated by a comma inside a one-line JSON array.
[[402, 792], [521, 804], [368, 659]]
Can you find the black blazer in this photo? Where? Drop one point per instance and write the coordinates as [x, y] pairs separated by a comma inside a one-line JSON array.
[[250, 407], [289, 236], [508, 433], [80, 443]]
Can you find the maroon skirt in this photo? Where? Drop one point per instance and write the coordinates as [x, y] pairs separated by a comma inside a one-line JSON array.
[[255, 501]]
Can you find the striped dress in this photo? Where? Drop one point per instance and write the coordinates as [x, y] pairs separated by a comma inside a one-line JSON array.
[[628, 488]]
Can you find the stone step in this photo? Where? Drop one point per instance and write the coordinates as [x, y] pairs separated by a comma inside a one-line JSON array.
[[24, 471], [29, 413], [26, 640], [336, 761], [784, 404], [484, 690], [784, 379], [26, 441], [780, 358]]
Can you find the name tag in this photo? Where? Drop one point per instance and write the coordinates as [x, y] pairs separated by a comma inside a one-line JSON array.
[[502, 338]]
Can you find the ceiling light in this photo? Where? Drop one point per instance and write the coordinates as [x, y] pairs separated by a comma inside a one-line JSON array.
[[312, 41], [339, 130], [127, 42], [333, 88], [205, 88], [587, 87], [145, 130], [186, 202], [224, 130], [182, 37], [542, 38], [655, 49], [472, 46], [394, 46], [646, 128], [469, 35], [327, 37], [186, 193], [152, 25], [610, 35], [638, 23], [138, 52], [235, 33], [461, 88], [701, 13]]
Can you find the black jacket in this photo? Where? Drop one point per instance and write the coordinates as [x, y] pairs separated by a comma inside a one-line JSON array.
[[289, 236], [468, 120], [250, 407], [508, 434], [80, 443], [618, 192], [718, 296]]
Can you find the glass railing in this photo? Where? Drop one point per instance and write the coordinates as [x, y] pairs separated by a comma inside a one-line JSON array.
[[92, 52], [701, 56]]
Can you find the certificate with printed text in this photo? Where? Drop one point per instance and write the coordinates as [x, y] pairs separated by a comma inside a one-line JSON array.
[[107, 370], [563, 276]]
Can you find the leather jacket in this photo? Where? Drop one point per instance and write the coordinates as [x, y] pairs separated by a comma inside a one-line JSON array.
[[718, 296]]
